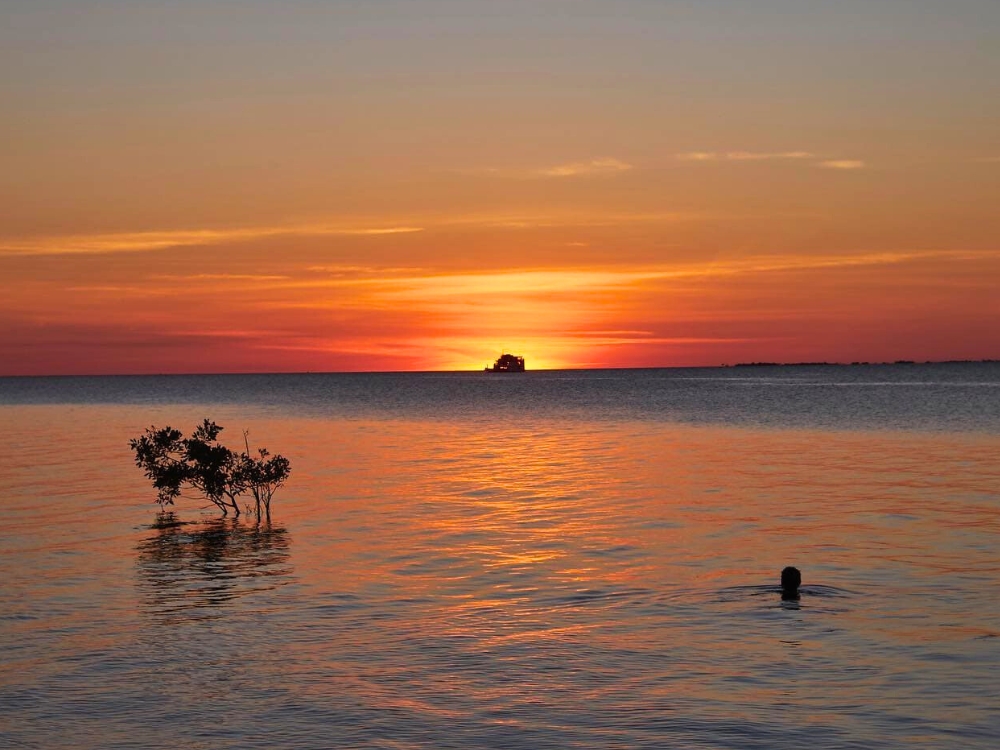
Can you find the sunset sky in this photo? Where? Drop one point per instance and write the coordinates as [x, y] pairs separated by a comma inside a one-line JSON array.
[[324, 185]]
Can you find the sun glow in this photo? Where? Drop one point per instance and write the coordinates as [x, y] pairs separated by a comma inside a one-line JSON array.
[[350, 316]]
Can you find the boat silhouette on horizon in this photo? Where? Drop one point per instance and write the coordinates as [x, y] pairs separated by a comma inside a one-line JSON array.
[[507, 363]]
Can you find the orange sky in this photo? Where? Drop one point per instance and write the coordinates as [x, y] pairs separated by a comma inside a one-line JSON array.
[[305, 186]]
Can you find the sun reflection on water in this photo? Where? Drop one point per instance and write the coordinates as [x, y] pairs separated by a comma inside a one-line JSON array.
[[566, 584]]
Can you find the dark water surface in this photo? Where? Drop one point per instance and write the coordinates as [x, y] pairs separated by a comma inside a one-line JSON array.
[[960, 397], [555, 560]]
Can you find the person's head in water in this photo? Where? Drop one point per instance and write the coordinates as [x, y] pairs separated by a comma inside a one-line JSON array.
[[791, 579]]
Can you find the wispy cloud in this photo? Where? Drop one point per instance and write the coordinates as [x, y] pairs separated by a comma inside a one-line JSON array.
[[263, 278], [386, 287], [413, 284], [120, 291], [505, 283], [120, 242], [600, 166], [595, 339], [747, 156], [346, 270], [842, 164], [578, 219], [223, 333], [148, 241], [743, 155]]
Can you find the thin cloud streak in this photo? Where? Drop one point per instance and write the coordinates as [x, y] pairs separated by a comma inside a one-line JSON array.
[[546, 281], [580, 220], [601, 166], [742, 155], [408, 283], [263, 278], [846, 164], [150, 241], [749, 156], [165, 240]]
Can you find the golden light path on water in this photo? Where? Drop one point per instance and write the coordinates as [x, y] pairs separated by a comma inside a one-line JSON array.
[[446, 583]]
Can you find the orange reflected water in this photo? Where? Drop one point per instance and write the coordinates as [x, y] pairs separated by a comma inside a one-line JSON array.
[[450, 584]]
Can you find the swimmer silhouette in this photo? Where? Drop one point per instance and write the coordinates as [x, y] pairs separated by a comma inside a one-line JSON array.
[[791, 579]]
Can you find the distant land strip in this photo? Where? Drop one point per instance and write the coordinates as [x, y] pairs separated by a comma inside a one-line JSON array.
[[850, 364]]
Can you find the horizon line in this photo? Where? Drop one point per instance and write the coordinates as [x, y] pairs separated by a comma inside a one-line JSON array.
[[886, 363]]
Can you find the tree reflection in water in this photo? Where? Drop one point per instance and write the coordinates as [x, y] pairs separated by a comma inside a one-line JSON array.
[[195, 570]]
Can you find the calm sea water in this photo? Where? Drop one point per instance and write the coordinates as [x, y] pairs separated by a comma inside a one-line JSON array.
[[553, 560]]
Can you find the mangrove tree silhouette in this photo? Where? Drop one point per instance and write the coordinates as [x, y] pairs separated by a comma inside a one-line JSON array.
[[200, 462]]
